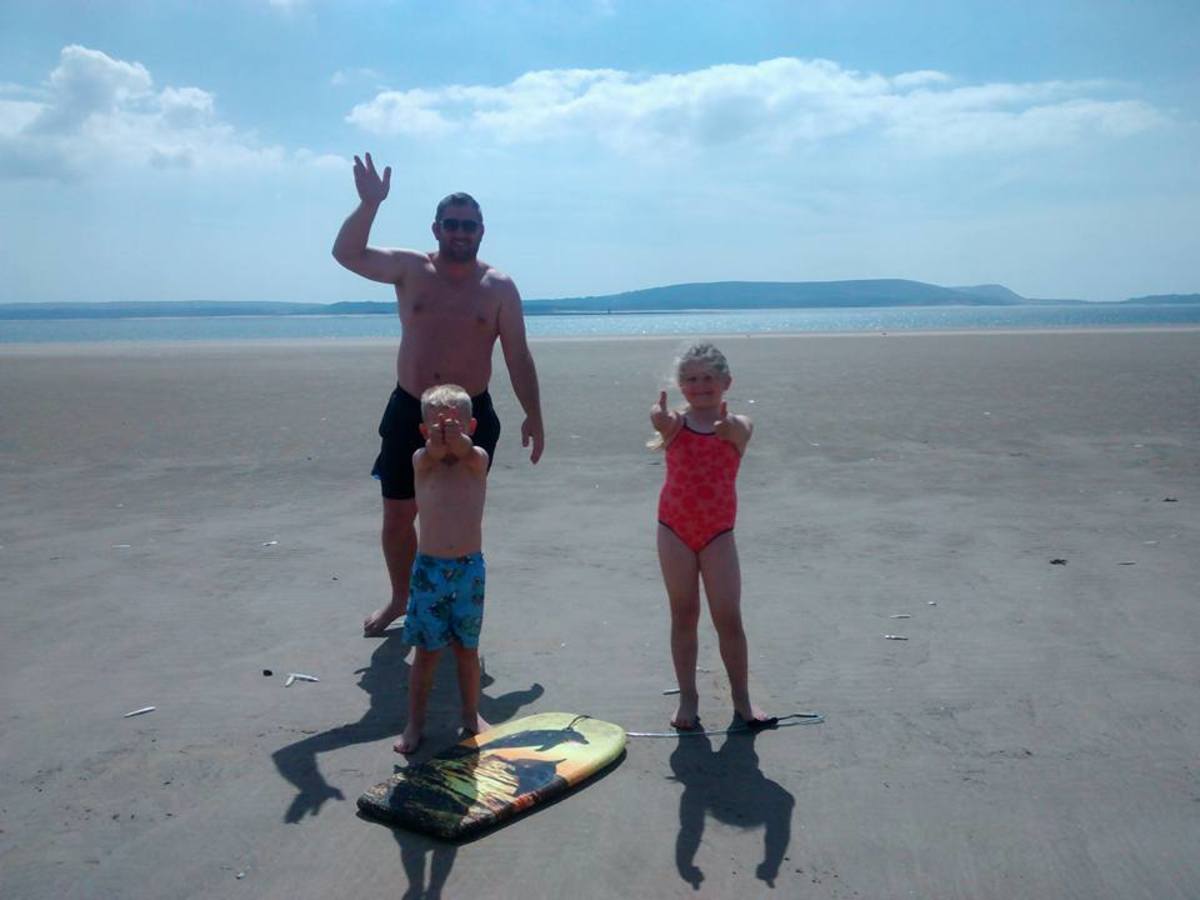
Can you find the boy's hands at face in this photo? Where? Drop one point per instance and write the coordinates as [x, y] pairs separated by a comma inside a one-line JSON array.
[[435, 435], [447, 437], [452, 430]]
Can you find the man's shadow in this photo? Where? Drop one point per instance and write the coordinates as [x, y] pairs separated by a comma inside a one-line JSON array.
[[386, 682], [729, 786]]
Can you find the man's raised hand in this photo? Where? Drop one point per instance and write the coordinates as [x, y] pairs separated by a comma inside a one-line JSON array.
[[371, 188]]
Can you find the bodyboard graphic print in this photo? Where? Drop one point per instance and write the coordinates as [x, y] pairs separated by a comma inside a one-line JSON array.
[[495, 775]]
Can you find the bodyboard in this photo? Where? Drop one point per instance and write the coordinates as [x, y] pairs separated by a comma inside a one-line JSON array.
[[495, 775]]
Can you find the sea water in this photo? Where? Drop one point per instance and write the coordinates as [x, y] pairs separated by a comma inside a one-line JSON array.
[[742, 321]]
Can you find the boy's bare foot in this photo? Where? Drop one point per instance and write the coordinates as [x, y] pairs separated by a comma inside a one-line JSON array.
[[477, 726], [377, 622], [686, 716], [409, 741]]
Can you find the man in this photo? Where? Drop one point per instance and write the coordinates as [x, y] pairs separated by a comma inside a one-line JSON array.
[[452, 309]]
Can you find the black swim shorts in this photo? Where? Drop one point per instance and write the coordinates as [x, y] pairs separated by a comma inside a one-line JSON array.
[[401, 434]]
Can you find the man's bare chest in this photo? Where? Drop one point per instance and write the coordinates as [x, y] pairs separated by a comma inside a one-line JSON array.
[[433, 303]]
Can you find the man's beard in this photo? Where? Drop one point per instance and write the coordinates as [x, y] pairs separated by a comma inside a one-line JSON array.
[[458, 254]]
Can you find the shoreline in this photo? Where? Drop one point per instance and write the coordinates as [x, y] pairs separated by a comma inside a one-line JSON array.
[[110, 348]]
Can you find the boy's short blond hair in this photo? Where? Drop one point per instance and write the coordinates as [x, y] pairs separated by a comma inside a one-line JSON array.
[[446, 396]]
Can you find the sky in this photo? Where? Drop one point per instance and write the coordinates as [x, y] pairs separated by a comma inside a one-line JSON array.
[[168, 150]]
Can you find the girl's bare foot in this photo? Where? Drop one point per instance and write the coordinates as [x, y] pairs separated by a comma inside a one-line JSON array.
[[409, 741], [755, 717], [686, 716], [377, 622]]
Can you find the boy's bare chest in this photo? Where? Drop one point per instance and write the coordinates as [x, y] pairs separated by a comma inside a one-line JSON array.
[[452, 484]]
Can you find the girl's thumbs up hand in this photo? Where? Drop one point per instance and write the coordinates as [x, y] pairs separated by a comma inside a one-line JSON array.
[[661, 417], [723, 427]]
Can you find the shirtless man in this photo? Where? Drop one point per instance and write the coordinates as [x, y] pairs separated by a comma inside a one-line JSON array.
[[452, 309]]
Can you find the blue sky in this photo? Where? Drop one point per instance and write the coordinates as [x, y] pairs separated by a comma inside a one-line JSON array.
[[176, 151]]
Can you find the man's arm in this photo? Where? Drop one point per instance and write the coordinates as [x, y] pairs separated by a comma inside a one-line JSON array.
[[521, 370], [350, 247]]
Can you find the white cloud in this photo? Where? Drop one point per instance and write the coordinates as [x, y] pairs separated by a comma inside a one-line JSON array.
[[87, 83], [778, 103], [95, 111], [16, 115], [916, 79], [343, 77], [980, 128]]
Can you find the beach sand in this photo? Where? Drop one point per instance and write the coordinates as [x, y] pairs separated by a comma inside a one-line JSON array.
[[178, 518]]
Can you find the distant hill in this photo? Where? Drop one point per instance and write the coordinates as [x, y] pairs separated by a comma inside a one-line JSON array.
[[1001, 294], [997, 292], [880, 292], [1164, 299], [155, 309], [781, 295]]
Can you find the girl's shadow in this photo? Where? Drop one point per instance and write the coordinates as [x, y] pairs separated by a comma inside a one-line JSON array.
[[729, 786]]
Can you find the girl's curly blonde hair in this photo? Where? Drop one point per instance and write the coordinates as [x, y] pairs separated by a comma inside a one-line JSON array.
[[703, 352]]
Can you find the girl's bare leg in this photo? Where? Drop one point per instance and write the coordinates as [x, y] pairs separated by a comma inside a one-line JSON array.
[[468, 688], [420, 680], [723, 586], [680, 572]]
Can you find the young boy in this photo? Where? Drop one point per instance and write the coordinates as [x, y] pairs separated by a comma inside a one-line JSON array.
[[446, 589]]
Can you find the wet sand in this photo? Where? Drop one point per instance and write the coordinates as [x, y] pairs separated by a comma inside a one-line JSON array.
[[178, 518]]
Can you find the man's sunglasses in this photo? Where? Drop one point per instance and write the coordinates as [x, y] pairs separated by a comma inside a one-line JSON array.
[[469, 226]]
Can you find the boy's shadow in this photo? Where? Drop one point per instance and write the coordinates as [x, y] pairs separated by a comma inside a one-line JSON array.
[[728, 785], [386, 681]]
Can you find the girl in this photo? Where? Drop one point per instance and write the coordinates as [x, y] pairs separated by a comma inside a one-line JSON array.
[[696, 512]]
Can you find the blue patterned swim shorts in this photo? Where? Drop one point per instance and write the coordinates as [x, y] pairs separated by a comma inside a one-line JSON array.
[[445, 601]]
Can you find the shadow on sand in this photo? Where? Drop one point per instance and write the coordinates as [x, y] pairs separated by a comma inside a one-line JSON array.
[[729, 786], [386, 682]]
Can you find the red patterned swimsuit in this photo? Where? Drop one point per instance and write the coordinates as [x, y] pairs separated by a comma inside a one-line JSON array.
[[699, 500]]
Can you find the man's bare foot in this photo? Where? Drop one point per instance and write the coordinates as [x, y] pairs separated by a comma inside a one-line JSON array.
[[377, 622], [686, 716], [471, 728], [409, 741]]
